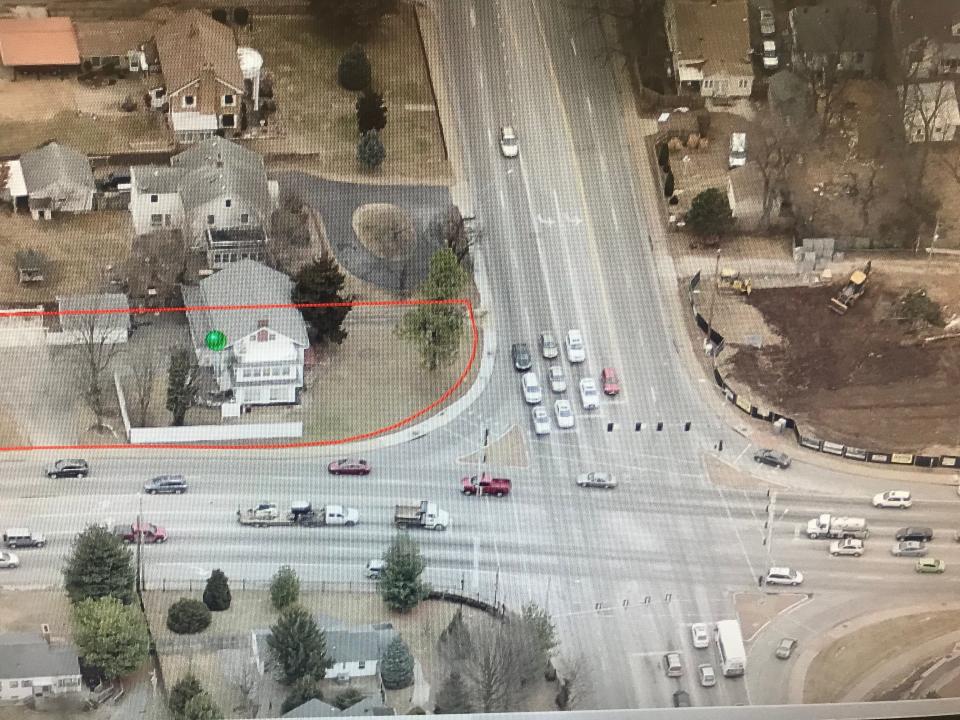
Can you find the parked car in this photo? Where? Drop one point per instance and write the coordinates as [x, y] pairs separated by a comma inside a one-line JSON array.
[[530, 385], [893, 499], [930, 565], [521, 356], [9, 561], [23, 537], [349, 466], [564, 413], [588, 394], [766, 456], [175, 484], [847, 546], [785, 648], [508, 142], [558, 383], [376, 568], [738, 150], [672, 665], [708, 678], [548, 346], [700, 636], [909, 548], [681, 698], [541, 420], [923, 534], [610, 381], [768, 24], [771, 59], [597, 480], [576, 350], [68, 468], [783, 576]]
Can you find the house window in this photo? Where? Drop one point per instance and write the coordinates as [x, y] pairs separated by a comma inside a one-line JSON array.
[[14, 684], [228, 202], [154, 198], [156, 220], [26, 683], [189, 101], [244, 218], [361, 665], [228, 120], [229, 100], [743, 83], [210, 219], [96, 61]]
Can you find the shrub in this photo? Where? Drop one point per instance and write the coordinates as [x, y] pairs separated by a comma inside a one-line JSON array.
[[285, 588], [241, 16], [220, 15], [185, 689], [304, 689], [187, 616], [396, 665], [353, 71], [350, 696], [216, 595]]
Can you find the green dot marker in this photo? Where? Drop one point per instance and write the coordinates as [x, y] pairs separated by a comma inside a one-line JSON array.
[[216, 340]]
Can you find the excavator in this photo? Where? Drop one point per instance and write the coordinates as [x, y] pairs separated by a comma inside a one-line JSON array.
[[851, 292]]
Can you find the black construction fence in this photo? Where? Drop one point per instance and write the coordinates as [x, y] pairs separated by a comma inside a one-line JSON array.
[[880, 457]]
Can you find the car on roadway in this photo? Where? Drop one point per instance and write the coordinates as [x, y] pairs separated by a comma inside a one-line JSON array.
[[672, 665], [893, 499], [375, 568], [783, 576], [785, 648], [930, 565], [923, 534], [558, 382], [530, 385], [708, 678], [847, 546], [564, 413], [169, 484], [771, 60], [700, 636], [597, 480], [766, 456], [135, 532], [349, 466], [23, 537], [576, 349], [541, 420], [589, 395], [521, 357], [509, 146], [609, 381], [681, 698], [768, 24], [9, 561], [909, 548], [548, 346], [74, 467]]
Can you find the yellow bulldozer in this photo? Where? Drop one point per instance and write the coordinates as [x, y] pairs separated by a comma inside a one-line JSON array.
[[851, 292], [731, 281]]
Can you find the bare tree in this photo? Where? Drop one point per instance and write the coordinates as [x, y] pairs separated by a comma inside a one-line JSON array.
[[145, 369], [451, 228], [576, 686], [777, 146], [95, 347]]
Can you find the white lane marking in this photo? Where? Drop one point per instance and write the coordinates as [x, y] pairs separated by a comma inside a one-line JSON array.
[[653, 393], [589, 106], [473, 17], [742, 452], [489, 138], [480, 79], [616, 222], [574, 46], [503, 201]]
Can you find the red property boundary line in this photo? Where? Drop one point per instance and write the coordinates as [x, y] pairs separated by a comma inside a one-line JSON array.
[[465, 303]]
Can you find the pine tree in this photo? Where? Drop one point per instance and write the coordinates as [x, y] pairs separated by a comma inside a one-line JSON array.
[[202, 707], [187, 616], [182, 692], [371, 112], [400, 585], [350, 696], [304, 689], [216, 595], [668, 183], [284, 588], [182, 379], [396, 665], [709, 215], [453, 698], [298, 646], [353, 71], [370, 150], [322, 281], [99, 566]]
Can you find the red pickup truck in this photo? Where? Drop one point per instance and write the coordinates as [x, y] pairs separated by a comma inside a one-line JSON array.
[[486, 485], [151, 533]]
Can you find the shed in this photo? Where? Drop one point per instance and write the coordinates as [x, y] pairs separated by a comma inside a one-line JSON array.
[[57, 178], [38, 42]]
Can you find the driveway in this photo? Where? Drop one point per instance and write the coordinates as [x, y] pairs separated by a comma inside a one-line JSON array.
[[336, 203]]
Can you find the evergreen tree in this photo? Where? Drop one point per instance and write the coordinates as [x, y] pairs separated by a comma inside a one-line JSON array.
[[202, 707], [321, 281], [400, 585], [542, 629], [709, 215], [370, 150], [396, 665], [663, 155], [182, 380], [304, 689], [453, 698], [284, 588], [99, 566], [216, 595], [455, 642], [371, 112], [187, 616], [181, 693], [298, 646], [110, 635], [350, 696], [353, 71], [668, 185]]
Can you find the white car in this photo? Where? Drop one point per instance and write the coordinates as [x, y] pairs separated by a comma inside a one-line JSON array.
[[558, 383], [768, 22], [783, 576], [771, 61], [541, 420], [564, 413], [893, 499], [508, 142], [8, 560], [847, 546], [589, 395], [548, 346], [576, 351], [701, 639], [532, 392], [708, 678]]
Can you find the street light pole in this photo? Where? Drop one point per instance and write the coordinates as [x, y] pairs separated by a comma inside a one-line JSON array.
[[140, 583], [933, 241]]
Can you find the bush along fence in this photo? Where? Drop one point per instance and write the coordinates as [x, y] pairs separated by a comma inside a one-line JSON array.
[[884, 457]]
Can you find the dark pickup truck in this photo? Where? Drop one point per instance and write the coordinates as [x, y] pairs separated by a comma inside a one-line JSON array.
[[486, 485]]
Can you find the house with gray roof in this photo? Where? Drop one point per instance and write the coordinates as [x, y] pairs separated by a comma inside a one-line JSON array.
[[840, 32], [355, 652], [216, 193], [926, 33], [56, 178], [314, 708], [262, 361], [102, 318], [33, 666]]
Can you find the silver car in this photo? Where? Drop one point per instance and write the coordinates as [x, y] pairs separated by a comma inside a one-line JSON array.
[[597, 480], [530, 385], [541, 420], [508, 142], [909, 548], [564, 413], [708, 678], [589, 395], [8, 560], [548, 346], [558, 383]]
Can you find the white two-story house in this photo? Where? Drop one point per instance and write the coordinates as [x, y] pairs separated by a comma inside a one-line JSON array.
[[262, 362]]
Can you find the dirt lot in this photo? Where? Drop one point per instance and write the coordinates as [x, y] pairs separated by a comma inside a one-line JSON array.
[[849, 379]]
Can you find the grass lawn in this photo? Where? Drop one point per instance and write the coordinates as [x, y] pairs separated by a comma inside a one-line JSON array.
[[88, 134], [317, 116]]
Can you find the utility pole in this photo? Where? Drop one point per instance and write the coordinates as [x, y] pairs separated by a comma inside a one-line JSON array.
[[769, 523], [140, 582], [713, 302], [933, 241]]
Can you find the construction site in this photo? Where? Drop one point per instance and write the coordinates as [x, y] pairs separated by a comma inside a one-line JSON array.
[[869, 358]]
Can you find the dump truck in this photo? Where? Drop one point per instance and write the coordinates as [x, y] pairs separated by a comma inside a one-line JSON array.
[[831, 526], [426, 515], [851, 292], [731, 280], [301, 513]]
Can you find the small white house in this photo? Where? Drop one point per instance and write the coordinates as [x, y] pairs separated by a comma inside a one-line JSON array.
[[930, 111], [32, 666], [355, 653]]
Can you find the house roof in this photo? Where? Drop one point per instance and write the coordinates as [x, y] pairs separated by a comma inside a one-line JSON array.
[[245, 282], [24, 655], [317, 708], [357, 645], [746, 181], [97, 38], [932, 19], [156, 179], [193, 41], [834, 25], [104, 322], [718, 34], [38, 41], [53, 164], [216, 168]]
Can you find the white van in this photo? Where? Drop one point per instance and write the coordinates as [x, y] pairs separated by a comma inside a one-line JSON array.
[[738, 150]]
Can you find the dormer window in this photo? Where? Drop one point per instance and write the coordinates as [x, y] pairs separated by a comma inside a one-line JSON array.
[[229, 100], [189, 100], [154, 198], [228, 202]]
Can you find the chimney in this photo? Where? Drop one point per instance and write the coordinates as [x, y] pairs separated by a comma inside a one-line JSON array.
[[262, 323], [45, 632]]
